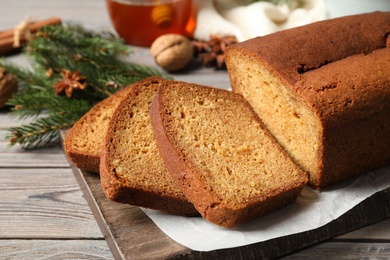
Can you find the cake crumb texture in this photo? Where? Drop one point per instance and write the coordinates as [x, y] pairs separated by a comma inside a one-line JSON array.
[[132, 170], [226, 162], [84, 141]]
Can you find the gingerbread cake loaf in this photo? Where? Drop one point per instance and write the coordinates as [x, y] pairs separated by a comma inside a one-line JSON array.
[[323, 91], [131, 168], [222, 157], [84, 141]]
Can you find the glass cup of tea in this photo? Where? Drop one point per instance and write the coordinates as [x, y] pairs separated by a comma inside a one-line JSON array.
[[140, 22]]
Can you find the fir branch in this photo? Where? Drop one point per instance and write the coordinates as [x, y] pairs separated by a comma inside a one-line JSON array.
[[25, 76], [42, 131], [95, 56], [39, 102], [73, 44]]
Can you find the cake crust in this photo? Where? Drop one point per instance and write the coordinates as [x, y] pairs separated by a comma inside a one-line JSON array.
[[292, 52]]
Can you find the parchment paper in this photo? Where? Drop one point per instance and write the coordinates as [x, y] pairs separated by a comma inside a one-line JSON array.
[[311, 210]]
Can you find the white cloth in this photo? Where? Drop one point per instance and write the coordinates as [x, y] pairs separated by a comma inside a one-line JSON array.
[[246, 20]]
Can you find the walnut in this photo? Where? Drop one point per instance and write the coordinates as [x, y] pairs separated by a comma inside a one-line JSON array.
[[172, 51], [8, 86]]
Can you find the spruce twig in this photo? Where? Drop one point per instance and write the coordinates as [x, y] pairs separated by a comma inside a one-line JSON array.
[[95, 56], [42, 131]]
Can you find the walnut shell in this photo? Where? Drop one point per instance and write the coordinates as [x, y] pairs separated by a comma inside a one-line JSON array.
[[8, 86], [172, 51]]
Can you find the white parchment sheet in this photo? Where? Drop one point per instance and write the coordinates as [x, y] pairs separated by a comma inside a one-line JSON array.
[[311, 210]]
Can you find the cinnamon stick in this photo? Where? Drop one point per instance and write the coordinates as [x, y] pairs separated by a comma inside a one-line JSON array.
[[7, 36]]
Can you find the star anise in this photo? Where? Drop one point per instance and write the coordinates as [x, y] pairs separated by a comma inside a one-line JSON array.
[[69, 82], [219, 44], [211, 53]]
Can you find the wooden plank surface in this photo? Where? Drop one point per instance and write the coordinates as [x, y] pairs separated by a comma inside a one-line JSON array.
[[39, 159], [35, 197], [54, 249], [91, 13], [344, 250], [44, 214], [376, 232]]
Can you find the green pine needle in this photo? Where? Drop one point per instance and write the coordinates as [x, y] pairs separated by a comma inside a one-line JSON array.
[[96, 55], [42, 131]]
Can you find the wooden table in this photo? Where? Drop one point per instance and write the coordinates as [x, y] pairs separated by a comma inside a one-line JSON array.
[[43, 211]]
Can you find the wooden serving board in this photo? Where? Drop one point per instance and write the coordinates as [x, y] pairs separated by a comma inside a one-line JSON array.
[[130, 234]]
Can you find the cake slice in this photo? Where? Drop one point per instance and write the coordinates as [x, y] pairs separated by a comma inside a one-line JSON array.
[[323, 91], [83, 143], [224, 160], [131, 169]]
